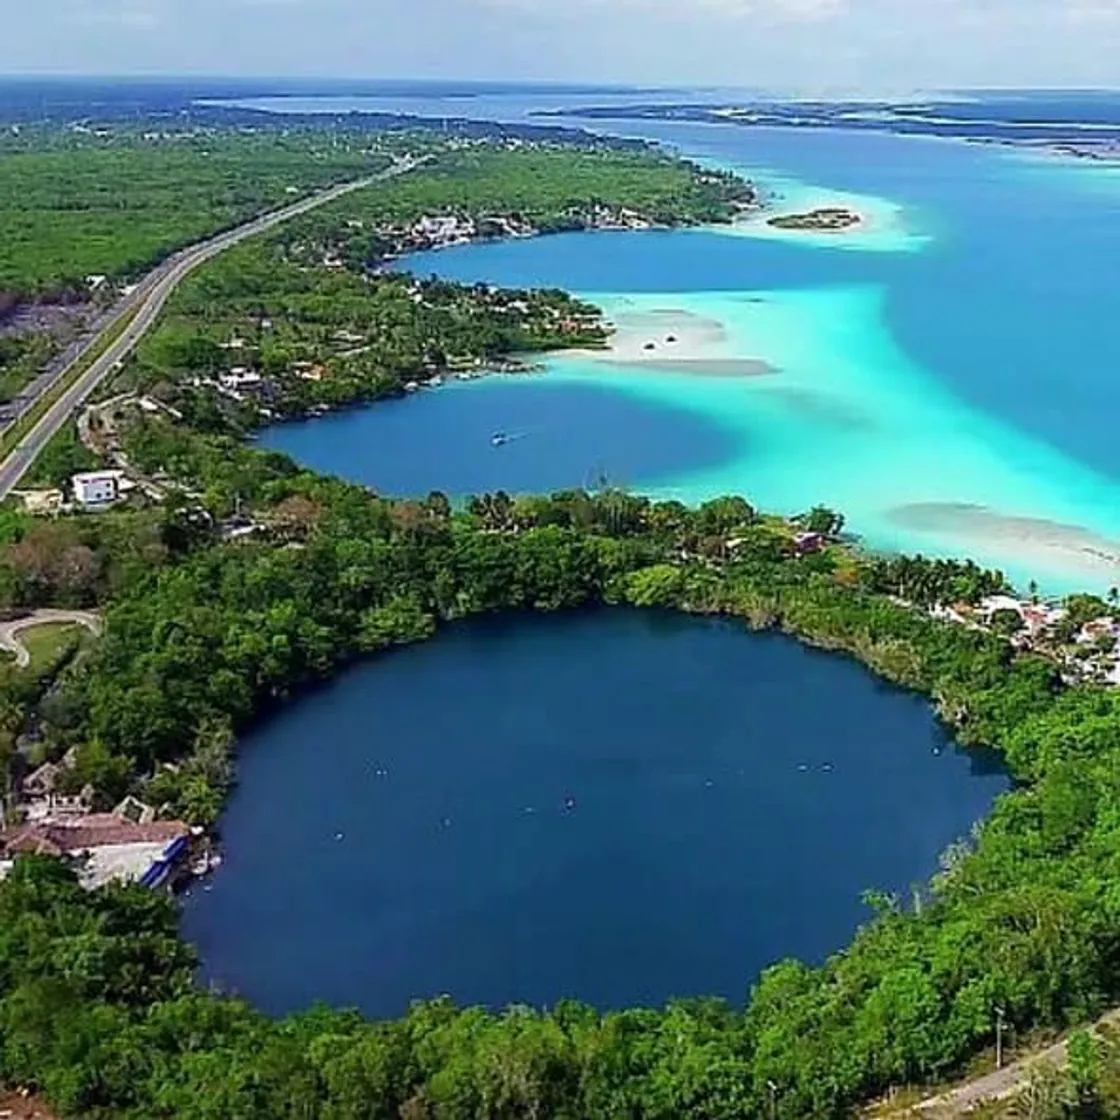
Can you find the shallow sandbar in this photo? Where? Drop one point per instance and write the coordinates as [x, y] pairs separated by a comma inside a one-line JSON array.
[[1033, 538], [674, 340]]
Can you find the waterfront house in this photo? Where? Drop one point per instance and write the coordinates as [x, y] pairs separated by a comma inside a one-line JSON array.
[[39, 789], [61, 806], [808, 543], [1098, 630], [239, 377], [104, 848], [994, 604], [1039, 620], [958, 614], [308, 371]]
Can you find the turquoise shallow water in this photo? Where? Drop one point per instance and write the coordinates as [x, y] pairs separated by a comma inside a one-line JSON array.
[[944, 375]]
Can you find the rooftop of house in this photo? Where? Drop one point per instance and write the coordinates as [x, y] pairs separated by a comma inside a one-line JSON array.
[[96, 476], [995, 603], [97, 830], [121, 862]]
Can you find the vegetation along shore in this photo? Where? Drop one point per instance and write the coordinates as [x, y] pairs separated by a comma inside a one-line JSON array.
[[826, 219], [228, 580]]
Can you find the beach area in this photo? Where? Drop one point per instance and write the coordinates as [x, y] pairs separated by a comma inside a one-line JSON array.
[[669, 339]]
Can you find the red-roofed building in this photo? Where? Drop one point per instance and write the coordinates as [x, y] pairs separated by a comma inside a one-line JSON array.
[[96, 830], [104, 848]]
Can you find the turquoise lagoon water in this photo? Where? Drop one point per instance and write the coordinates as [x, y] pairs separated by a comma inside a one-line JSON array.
[[945, 376]]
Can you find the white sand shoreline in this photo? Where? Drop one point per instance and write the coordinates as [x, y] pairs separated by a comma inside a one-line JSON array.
[[1072, 548], [671, 340]]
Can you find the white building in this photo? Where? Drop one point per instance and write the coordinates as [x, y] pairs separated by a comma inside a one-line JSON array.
[[96, 488], [240, 377], [994, 604]]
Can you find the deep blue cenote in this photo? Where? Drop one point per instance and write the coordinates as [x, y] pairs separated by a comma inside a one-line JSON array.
[[617, 806]]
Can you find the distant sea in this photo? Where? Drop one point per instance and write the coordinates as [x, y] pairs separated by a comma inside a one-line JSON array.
[[946, 376]]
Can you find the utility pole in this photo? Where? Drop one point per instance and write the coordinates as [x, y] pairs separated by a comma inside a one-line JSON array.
[[773, 1087], [999, 1037]]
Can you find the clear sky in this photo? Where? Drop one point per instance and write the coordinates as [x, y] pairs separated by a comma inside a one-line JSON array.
[[811, 45]]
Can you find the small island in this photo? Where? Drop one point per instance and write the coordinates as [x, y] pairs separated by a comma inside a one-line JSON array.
[[826, 219]]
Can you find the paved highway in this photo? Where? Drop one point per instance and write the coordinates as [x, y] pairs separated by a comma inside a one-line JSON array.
[[150, 296]]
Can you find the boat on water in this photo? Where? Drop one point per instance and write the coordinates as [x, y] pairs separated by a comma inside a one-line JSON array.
[[499, 438]]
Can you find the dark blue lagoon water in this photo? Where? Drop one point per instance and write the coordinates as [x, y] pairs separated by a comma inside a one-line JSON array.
[[561, 437], [408, 832]]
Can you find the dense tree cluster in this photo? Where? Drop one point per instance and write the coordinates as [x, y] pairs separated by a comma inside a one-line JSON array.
[[86, 200], [329, 337], [80, 561], [933, 582], [548, 187], [1022, 917]]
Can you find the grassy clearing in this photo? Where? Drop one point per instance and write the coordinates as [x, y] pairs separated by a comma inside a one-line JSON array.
[[49, 643]]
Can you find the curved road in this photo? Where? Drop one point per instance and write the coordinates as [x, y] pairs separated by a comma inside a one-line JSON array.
[[1002, 1084], [150, 296], [10, 631]]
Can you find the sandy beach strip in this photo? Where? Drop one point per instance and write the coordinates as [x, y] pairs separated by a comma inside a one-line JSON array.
[[1052, 544], [672, 340]]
